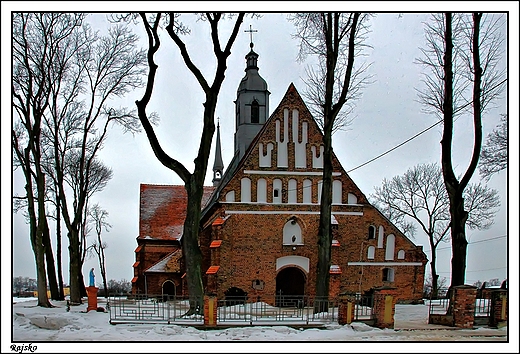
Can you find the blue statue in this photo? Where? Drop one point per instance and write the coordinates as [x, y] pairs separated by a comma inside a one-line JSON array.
[[92, 276]]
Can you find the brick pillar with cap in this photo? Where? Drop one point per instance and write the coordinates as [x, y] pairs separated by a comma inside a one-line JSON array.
[[464, 298], [384, 306], [498, 315], [92, 293], [210, 310]]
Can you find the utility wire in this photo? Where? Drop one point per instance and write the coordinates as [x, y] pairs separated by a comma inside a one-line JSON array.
[[479, 241]]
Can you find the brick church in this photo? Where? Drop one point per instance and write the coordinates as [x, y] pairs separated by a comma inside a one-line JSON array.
[[260, 218]]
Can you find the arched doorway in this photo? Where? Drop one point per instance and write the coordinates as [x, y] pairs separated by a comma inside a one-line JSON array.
[[169, 290], [290, 287]]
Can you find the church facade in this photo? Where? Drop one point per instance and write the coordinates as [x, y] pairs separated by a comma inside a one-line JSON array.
[[260, 218]]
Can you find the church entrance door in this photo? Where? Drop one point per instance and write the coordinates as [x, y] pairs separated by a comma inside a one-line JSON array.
[[290, 287]]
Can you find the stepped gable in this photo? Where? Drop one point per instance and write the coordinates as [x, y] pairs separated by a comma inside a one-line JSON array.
[[268, 135], [163, 210]]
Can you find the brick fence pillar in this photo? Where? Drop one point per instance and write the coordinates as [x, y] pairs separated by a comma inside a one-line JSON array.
[[464, 297], [384, 307], [210, 311], [499, 305], [92, 292], [346, 309]]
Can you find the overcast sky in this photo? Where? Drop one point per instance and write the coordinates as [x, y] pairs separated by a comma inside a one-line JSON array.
[[387, 115]]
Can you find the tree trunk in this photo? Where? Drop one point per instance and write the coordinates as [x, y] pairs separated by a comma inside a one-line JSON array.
[[74, 268], [58, 248], [324, 231], [51, 267], [433, 266], [190, 247], [458, 239]]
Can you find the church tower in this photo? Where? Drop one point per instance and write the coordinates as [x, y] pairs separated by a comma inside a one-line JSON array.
[[218, 165], [251, 105]]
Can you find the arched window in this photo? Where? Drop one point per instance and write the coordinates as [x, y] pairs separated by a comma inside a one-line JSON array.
[[255, 112], [292, 192], [390, 247], [245, 190], [400, 254], [277, 191], [371, 232], [320, 189], [230, 196], [307, 191], [388, 274], [337, 192], [351, 198], [292, 232], [261, 191], [371, 252], [380, 237]]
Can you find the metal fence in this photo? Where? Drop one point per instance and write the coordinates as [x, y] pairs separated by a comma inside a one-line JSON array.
[[438, 306], [238, 310], [152, 308], [287, 309], [364, 307]]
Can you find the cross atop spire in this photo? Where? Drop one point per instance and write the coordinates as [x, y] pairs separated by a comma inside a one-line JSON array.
[[251, 30]]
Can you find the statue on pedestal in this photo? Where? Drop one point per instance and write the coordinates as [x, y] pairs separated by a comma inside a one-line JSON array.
[[92, 276]]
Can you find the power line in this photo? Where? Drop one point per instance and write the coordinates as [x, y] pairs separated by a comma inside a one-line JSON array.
[[424, 131], [395, 147], [478, 270], [479, 241]]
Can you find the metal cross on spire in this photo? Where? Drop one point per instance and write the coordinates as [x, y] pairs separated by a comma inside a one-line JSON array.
[[251, 30]]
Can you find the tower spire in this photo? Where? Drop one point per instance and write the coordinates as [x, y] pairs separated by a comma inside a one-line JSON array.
[[218, 165]]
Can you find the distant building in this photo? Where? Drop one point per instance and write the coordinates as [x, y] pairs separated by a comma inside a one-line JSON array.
[[260, 218]]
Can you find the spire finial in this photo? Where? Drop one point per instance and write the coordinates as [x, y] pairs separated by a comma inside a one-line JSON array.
[[251, 30]]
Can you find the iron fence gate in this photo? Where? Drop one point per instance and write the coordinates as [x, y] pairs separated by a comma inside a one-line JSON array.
[[364, 309]]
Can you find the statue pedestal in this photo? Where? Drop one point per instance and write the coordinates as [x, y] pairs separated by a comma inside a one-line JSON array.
[[92, 292]]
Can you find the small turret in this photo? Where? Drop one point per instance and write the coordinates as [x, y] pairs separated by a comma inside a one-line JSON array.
[[218, 165], [252, 103]]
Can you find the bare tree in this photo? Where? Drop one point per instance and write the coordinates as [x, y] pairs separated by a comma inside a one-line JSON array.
[[193, 182], [493, 157], [336, 39], [420, 195], [107, 68], [463, 75], [75, 76], [98, 218], [35, 39]]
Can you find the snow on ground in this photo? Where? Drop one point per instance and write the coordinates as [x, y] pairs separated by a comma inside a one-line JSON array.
[[57, 330]]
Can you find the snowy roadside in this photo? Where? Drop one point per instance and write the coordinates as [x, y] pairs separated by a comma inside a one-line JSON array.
[[35, 324]]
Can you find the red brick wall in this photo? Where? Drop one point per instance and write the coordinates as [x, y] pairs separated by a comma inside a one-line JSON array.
[[253, 242]]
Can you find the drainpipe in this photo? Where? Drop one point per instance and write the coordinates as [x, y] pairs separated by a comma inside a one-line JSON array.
[[145, 285]]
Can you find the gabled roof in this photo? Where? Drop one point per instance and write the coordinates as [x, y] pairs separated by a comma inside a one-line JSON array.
[[162, 210], [291, 98], [169, 264]]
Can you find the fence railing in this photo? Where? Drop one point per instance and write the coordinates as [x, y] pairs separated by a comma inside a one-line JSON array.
[[364, 307], [237, 310], [483, 307], [296, 309], [153, 308]]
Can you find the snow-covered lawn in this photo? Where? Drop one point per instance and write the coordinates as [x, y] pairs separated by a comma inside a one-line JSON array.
[[51, 329]]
